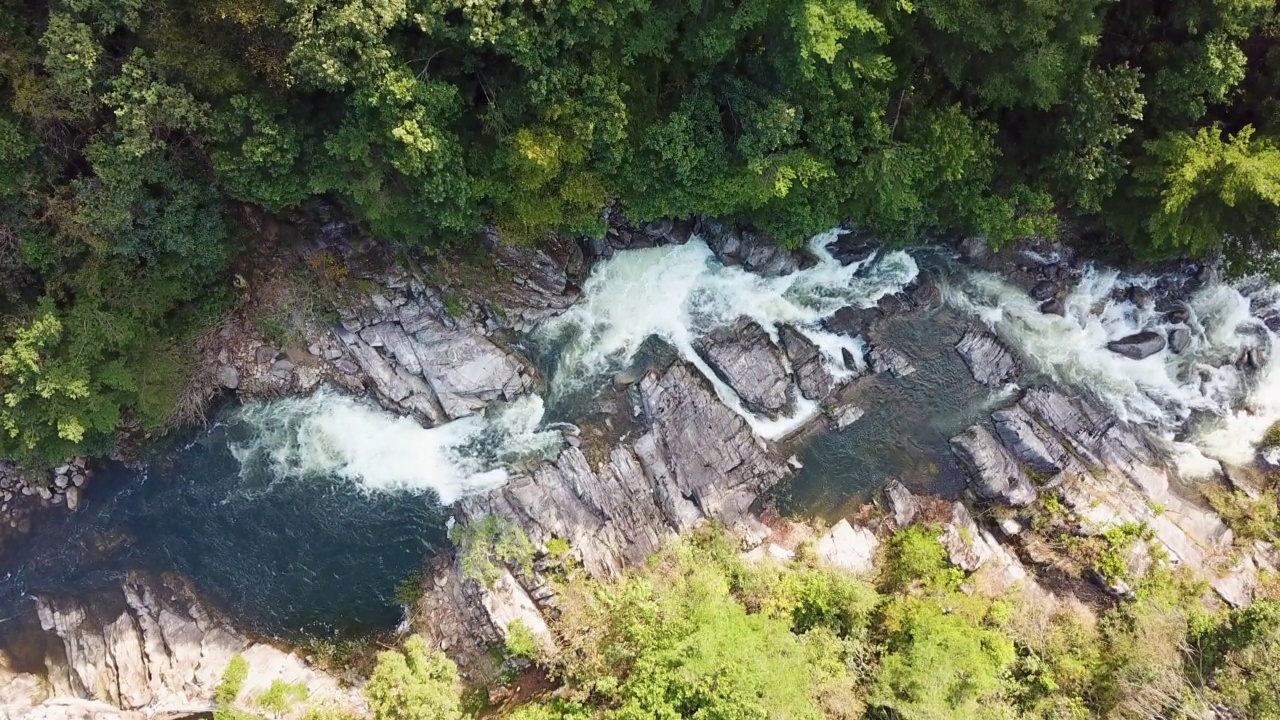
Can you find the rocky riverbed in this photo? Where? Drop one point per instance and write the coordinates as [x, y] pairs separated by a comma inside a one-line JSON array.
[[704, 435]]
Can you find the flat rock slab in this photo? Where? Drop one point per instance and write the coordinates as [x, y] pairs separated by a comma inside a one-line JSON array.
[[745, 358], [849, 548], [988, 359]]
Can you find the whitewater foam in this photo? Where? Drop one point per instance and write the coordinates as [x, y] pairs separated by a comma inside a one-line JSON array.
[[331, 434], [1225, 409], [679, 293]]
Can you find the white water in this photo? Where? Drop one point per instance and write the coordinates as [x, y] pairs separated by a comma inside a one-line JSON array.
[[1162, 392], [679, 293], [328, 433]]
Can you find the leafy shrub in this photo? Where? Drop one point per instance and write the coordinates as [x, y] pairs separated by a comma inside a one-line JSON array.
[[487, 544], [521, 642], [232, 681]]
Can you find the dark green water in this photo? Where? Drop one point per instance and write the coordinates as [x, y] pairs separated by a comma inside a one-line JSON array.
[[905, 430], [314, 555]]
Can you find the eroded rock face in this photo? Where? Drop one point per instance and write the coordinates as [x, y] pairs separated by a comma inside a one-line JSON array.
[[426, 362], [1106, 474], [988, 359], [692, 460], [993, 472], [745, 358], [752, 250], [696, 460], [153, 652], [1138, 345], [812, 377]]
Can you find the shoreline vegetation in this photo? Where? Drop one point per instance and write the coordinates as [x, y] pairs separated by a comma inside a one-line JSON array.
[[133, 133], [704, 630]]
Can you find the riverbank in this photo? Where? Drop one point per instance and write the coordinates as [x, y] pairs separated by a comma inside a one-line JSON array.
[[1048, 477]]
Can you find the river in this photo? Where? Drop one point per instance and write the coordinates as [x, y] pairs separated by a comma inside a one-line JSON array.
[[300, 516]]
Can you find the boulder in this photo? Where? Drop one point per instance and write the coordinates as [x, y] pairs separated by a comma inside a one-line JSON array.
[[1138, 345], [807, 364], [902, 503], [752, 250], [993, 472], [848, 548], [1179, 339], [988, 359], [745, 358], [228, 377], [888, 360]]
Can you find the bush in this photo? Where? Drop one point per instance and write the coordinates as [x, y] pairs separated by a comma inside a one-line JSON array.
[[486, 545], [521, 642], [414, 683], [232, 681], [281, 696], [916, 556]]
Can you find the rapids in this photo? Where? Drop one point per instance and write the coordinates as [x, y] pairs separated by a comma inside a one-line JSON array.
[[679, 293], [302, 514]]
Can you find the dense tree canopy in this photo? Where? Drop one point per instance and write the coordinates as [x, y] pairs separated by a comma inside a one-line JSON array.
[[131, 129]]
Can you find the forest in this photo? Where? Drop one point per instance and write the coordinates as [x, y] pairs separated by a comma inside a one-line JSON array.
[[134, 133]]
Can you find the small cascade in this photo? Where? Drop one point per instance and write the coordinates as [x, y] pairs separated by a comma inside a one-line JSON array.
[[330, 434], [680, 293], [1205, 397]]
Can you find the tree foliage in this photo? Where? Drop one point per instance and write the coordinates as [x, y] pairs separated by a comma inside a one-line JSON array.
[[131, 131]]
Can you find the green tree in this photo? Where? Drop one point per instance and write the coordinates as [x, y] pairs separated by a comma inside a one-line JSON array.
[[1213, 191], [413, 683]]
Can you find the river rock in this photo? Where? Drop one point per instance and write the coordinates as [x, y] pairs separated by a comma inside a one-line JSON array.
[[807, 364], [745, 358], [1179, 339], [852, 321], [845, 415], [902, 503], [1138, 345], [993, 472], [884, 359], [282, 370], [228, 377], [975, 248], [1053, 306], [1044, 290], [988, 359], [73, 497], [1022, 435], [848, 548], [852, 247], [752, 250]]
